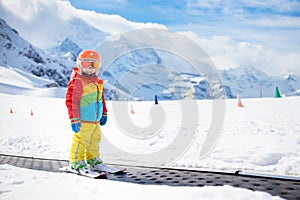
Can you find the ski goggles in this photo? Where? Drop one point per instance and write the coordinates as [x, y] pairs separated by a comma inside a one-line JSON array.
[[90, 63]]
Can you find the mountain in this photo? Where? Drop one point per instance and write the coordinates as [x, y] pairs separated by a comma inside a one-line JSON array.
[[138, 74], [18, 53], [67, 49], [144, 63], [291, 85], [56, 64], [249, 82], [82, 34]]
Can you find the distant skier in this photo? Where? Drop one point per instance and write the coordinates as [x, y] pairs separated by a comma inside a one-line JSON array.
[[87, 110]]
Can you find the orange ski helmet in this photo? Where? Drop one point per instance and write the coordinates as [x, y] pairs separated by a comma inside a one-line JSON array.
[[89, 62]]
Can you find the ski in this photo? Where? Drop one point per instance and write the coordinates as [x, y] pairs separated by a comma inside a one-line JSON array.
[[85, 172], [110, 170]]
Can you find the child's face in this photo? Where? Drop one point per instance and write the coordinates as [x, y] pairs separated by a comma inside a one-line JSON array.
[[89, 70]]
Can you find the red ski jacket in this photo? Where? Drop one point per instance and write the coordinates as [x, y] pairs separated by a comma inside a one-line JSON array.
[[85, 98]]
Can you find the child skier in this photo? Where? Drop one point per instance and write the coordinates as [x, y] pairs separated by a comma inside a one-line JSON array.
[[86, 109]]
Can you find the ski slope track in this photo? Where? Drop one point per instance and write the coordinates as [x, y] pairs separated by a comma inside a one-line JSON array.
[[286, 187]]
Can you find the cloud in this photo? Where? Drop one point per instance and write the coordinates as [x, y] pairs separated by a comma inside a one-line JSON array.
[[38, 18], [276, 21], [227, 53], [264, 34], [28, 9], [35, 19], [113, 24]]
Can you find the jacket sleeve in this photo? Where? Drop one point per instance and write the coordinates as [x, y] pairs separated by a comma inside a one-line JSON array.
[[104, 113], [73, 97]]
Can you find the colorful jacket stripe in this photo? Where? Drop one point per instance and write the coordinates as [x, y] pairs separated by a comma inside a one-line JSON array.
[[85, 98]]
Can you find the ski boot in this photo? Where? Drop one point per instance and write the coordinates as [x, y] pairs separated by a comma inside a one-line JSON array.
[[80, 166], [97, 164]]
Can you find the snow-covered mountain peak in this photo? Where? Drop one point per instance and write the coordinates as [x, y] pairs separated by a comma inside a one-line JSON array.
[[17, 52], [14, 47], [248, 81], [68, 45], [67, 49]]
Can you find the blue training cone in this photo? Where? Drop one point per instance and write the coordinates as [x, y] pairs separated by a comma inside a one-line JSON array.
[[155, 99]]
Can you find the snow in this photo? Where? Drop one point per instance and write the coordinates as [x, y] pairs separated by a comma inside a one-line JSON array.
[[21, 78], [262, 137], [17, 183], [17, 82]]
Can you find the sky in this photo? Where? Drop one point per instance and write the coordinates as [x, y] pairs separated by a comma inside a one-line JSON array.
[[189, 11], [238, 19], [252, 29]]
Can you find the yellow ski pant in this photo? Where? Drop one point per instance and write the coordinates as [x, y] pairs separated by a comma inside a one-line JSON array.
[[85, 143]]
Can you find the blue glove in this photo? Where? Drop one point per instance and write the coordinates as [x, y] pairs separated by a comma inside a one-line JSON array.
[[103, 120], [76, 126]]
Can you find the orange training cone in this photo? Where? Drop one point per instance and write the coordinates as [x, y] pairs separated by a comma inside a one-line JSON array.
[[239, 104], [11, 111], [131, 109]]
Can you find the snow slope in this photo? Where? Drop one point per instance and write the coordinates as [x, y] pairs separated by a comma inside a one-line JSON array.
[[262, 137], [48, 134], [16, 81]]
